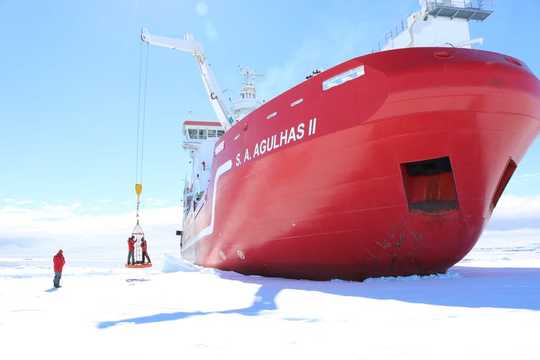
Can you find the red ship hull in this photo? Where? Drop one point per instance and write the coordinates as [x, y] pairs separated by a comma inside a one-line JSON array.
[[394, 170]]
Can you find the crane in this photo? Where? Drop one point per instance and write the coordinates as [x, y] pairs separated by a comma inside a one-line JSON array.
[[190, 45]]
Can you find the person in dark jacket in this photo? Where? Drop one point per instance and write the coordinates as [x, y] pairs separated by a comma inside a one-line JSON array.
[[131, 251], [144, 248], [58, 261]]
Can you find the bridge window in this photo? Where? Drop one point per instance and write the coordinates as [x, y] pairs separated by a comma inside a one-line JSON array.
[[211, 133], [192, 133], [220, 132], [202, 134]]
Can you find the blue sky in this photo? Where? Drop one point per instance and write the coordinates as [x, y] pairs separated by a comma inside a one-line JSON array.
[[69, 82]]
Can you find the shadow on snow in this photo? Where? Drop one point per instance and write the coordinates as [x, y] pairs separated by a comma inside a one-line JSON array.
[[264, 300], [472, 287]]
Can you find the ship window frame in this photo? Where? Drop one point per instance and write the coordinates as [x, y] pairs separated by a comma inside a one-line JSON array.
[[343, 77], [192, 133]]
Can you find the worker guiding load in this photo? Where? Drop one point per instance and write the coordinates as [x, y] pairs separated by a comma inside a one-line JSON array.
[[137, 245], [131, 251], [144, 248]]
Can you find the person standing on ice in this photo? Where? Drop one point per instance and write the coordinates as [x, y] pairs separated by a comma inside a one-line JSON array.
[[58, 261], [131, 251], [144, 248]]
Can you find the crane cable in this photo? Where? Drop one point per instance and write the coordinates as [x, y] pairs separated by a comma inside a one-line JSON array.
[[141, 118]]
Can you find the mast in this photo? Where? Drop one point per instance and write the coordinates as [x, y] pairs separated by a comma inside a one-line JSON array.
[[248, 94]]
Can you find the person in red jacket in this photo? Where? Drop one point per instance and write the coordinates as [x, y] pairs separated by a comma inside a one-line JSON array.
[[144, 248], [131, 251], [58, 261]]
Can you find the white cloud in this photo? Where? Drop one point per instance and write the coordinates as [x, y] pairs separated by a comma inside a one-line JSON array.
[[48, 226], [61, 219], [517, 207], [16, 202], [201, 8]]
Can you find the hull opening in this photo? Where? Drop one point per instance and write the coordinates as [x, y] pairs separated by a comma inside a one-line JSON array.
[[505, 178], [429, 185]]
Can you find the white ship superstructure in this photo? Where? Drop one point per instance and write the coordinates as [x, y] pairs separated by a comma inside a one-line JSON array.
[[441, 23]]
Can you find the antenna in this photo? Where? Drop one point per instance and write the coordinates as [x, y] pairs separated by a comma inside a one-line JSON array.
[[249, 75], [248, 93]]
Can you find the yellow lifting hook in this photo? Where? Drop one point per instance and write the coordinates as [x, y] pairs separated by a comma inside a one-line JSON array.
[[138, 191]]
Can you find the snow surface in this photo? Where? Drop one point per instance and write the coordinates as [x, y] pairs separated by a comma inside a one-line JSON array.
[[486, 307]]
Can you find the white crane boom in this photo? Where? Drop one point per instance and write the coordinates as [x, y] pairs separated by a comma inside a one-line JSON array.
[[188, 44]]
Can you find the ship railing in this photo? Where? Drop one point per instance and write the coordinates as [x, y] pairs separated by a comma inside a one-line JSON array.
[[460, 9], [464, 4], [391, 34], [463, 9]]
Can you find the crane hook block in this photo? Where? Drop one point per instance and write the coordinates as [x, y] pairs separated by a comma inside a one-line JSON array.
[[138, 189]]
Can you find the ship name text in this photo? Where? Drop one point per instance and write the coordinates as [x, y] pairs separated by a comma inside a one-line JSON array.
[[288, 136]]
